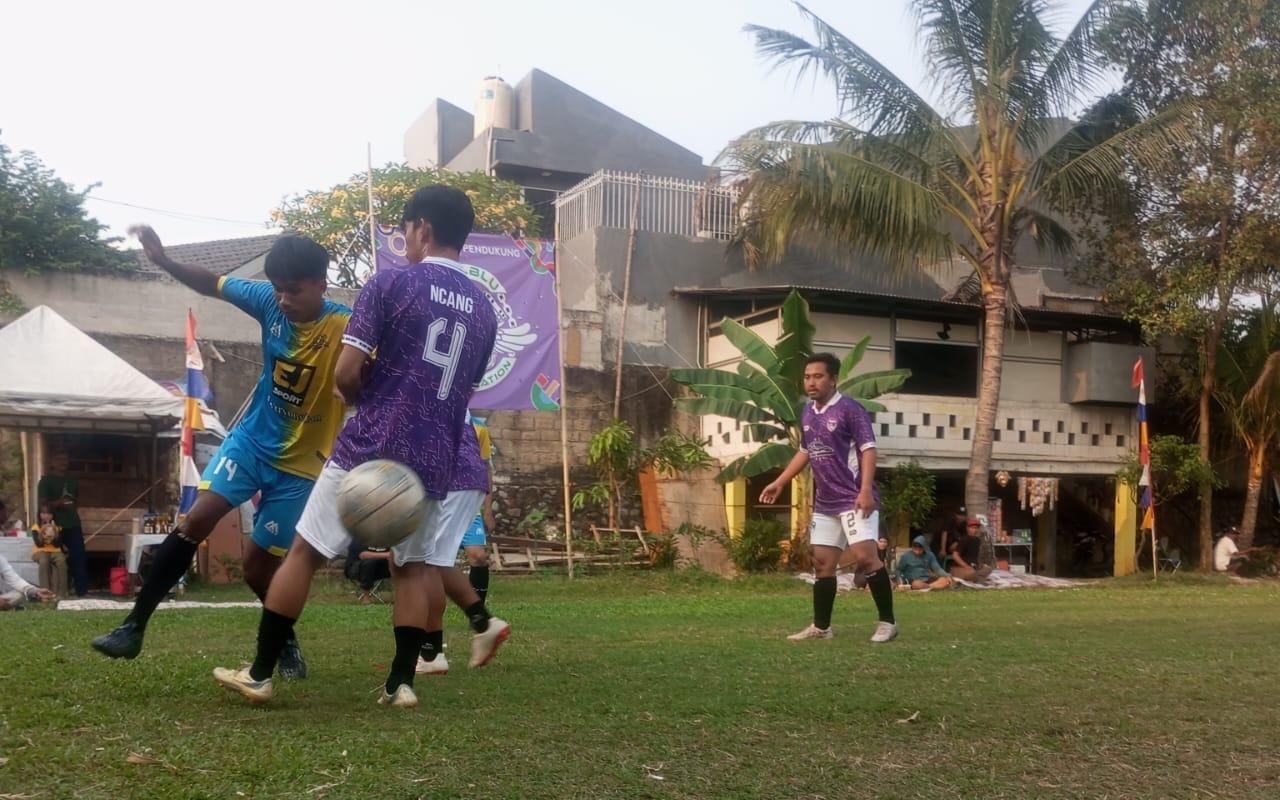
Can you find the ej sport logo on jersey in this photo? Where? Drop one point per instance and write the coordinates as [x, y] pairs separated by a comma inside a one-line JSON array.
[[291, 381]]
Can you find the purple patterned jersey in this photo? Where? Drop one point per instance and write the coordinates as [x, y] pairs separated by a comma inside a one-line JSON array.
[[835, 439], [431, 330]]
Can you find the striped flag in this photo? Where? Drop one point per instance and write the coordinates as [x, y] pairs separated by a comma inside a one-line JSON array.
[[192, 419], [1146, 499]]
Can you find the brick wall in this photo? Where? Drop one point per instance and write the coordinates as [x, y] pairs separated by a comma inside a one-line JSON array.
[[527, 458]]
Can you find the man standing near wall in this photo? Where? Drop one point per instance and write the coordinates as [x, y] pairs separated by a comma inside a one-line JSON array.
[[839, 444]]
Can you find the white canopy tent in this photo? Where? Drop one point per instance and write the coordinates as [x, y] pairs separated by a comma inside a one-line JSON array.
[[55, 378]]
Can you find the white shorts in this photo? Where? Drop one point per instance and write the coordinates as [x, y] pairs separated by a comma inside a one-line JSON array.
[[847, 529], [439, 534]]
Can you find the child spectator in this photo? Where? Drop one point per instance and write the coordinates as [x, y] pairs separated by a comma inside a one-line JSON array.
[[48, 555]]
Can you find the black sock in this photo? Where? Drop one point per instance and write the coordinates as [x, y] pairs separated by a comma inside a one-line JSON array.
[[409, 643], [824, 599], [173, 559], [479, 577], [273, 631], [478, 616], [433, 646], [882, 593]]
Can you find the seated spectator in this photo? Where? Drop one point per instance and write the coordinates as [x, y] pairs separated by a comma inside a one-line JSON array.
[[918, 568], [1227, 555], [48, 555], [366, 567], [966, 556], [945, 540], [15, 592]]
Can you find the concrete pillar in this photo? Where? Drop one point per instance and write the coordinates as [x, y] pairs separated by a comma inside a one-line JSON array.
[[735, 505], [799, 491], [1046, 542], [1126, 559]]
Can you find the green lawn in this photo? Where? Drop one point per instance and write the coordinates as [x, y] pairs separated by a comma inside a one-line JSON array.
[[675, 687]]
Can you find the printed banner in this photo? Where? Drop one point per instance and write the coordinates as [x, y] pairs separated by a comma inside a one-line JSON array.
[[518, 275]]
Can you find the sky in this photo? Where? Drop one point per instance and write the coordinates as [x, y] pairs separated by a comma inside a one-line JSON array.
[[200, 118]]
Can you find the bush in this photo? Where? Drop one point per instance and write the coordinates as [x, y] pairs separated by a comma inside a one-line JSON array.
[[662, 551], [759, 547]]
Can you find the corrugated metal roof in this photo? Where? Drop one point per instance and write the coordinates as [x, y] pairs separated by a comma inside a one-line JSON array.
[[1044, 314], [219, 257]]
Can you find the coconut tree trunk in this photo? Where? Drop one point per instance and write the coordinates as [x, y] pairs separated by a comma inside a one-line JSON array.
[[1253, 492], [1207, 384], [977, 484]]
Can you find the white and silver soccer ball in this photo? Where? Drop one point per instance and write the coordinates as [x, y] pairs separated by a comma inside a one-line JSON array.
[[381, 503]]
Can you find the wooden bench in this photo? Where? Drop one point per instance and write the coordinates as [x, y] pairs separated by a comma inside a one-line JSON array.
[[110, 525]]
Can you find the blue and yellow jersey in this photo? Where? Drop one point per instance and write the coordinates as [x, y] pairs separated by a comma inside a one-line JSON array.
[[482, 437], [294, 415]]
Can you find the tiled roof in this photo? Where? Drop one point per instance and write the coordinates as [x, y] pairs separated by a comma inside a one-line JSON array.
[[220, 257]]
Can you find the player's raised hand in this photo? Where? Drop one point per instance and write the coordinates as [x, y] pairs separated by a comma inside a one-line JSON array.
[[150, 242]]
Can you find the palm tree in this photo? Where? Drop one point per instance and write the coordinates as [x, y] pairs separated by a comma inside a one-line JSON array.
[[894, 178], [1248, 389]]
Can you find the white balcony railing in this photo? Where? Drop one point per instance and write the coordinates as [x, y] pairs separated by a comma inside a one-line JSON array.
[[662, 205]]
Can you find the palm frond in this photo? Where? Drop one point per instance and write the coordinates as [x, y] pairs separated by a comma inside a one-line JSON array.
[[1079, 65], [1049, 234], [733, 409], [843, 203], [869, 92], [952, 48], [1081, 165]]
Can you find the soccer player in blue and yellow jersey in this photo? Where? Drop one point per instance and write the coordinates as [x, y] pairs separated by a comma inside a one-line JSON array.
[[283, 439]]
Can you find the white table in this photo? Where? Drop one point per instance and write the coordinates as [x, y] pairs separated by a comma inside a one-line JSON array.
[[1011, 547], [17, 551], [133, 545]]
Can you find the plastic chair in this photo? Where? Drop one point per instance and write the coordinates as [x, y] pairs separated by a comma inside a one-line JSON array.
[[1170, 557]]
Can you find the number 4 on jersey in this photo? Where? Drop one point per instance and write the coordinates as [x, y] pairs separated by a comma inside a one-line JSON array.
[[446, 360]]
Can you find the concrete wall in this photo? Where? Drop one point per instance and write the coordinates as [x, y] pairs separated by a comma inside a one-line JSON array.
[[136, 304], [141, 317], [437, 135], [661, 328], [1098, 372]]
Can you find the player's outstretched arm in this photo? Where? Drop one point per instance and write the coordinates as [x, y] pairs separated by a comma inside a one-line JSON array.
[[197, 278], [349, 373]]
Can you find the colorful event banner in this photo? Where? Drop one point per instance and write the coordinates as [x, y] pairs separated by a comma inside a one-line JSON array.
[[518, 275]]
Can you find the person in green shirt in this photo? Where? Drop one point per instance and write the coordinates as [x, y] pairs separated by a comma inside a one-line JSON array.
[[60, 493], [919, 569]]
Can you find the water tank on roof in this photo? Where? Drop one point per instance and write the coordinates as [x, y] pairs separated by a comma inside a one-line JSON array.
[[495, 105]]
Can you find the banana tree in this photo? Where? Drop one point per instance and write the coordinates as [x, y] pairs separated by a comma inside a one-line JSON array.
[[766, 393], [1248, 390]]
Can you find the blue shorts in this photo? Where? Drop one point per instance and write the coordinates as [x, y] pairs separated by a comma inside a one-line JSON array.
[[475, 537], [237, 473]]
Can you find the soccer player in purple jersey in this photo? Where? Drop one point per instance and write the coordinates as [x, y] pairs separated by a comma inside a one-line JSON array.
[[839, 445], [433, 330]]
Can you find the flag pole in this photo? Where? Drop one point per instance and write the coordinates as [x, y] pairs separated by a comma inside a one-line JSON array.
[[564, 410], [1146, 484], [373, 222]]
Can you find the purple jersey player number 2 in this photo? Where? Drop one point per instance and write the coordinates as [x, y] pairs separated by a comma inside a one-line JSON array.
[[835, 439], [430, 331]]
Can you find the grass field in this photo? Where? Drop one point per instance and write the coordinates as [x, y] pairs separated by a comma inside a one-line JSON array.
[[662, 686]]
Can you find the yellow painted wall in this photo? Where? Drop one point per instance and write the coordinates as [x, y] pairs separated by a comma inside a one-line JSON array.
[[1126, 530], [735, 505]]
